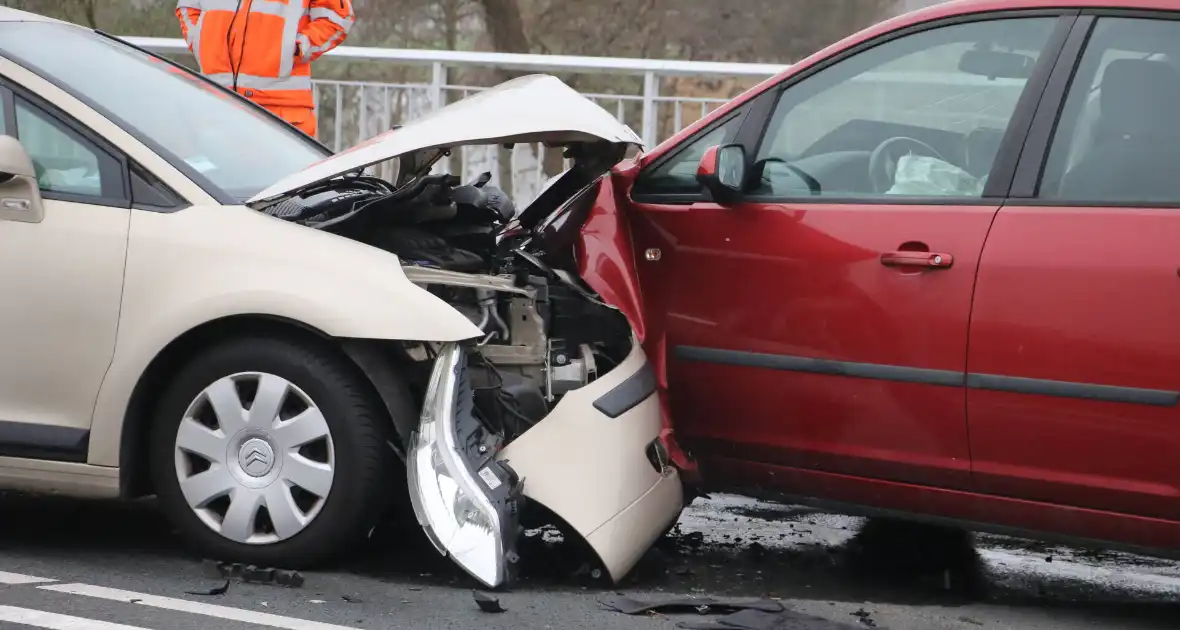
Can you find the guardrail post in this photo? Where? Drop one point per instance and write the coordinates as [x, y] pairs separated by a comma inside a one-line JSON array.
[[438, 80], [651, 90]]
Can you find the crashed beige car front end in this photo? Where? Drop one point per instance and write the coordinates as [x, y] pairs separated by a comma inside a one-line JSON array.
[[254, 330], [574, 422]]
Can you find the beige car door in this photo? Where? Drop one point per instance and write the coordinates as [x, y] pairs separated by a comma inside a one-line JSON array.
[[61, 278]]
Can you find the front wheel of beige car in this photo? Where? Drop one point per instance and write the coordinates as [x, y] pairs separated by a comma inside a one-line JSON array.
[[271, 452]]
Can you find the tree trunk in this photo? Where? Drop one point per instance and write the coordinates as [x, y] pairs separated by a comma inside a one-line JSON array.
[[506, 31]]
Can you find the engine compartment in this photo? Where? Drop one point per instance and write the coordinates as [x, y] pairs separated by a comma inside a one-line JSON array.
[[545, 333]]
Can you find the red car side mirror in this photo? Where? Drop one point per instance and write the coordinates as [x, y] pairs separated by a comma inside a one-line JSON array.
[[722, 171]]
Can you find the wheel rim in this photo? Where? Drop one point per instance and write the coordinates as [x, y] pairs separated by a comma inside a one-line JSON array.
[[255, 458]]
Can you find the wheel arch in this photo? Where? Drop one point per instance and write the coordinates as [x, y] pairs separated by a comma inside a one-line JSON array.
[[375, 369]]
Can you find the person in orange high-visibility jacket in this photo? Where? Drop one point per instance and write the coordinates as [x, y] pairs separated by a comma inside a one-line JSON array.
[[263, 49]]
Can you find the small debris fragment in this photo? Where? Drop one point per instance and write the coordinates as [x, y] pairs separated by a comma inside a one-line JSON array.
[[699, 605], [316, 601], [487, 603], [255, 574], [694, 539], [864, 617], [136, 601], [415, 588], [1049, 559], [217, 590], [352, 600], [970, 621], [293, 579]]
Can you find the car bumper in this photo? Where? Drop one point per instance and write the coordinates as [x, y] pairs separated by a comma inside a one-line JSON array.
[[596, 462]]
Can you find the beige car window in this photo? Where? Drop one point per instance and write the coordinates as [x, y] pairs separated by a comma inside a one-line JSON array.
[[64, 163]]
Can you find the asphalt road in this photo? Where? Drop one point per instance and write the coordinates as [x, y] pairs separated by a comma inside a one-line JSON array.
[[74, 565]]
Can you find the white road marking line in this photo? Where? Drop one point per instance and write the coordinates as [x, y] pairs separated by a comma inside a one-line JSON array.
[[196, 608], [54, 621], [17, 578]]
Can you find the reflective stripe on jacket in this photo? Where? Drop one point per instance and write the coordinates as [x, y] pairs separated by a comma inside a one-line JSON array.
[[264, 48]]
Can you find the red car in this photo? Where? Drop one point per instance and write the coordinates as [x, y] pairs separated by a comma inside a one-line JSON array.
[[930, 271]]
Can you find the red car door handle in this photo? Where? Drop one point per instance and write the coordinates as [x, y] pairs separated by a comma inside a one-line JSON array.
[[929, 260]]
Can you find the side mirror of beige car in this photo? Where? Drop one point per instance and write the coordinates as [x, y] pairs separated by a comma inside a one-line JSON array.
[[20, 195]]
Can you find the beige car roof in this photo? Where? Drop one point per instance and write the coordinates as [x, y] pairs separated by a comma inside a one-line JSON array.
[[16, 15]]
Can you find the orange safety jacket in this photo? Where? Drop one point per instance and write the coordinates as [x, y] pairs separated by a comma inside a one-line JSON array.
[[263, 49]]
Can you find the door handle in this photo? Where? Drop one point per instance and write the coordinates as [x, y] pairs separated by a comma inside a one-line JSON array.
[[927, 260], [9, 203]]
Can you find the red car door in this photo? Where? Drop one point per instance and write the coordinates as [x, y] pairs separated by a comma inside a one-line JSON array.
[[1074, 367], [819, 324]]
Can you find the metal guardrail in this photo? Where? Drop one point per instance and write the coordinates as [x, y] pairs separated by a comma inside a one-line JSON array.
[[351, 111]]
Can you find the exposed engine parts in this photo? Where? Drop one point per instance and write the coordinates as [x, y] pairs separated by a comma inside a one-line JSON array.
[[544, 333]]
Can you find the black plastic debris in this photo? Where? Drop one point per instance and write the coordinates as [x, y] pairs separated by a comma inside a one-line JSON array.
[[250, 573], [699, 605], [292, 579], [352, 600], [487, 603], [762, 620], [255, 574], [865, 618], [217, 590], [762, 614]]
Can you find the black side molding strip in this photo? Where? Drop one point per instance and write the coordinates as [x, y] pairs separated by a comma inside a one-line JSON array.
[[821, 366], [39, 441], [1063, 389], [626, 395], [1019, 385]]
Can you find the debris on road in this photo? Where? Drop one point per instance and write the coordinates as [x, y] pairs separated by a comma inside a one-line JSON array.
[[251, 573], [217, 590], [762, 620], [865, 617], [700, 605], [292, 579], [762, 614], [254, 574], [352, 600], [487, 603]]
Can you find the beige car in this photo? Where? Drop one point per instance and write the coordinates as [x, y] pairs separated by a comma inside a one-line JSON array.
[[203, 304]]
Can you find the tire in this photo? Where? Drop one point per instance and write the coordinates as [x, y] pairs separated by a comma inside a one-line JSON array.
[[356, 451]]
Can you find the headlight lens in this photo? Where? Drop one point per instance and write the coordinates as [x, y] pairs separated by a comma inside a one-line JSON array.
[[455, 508]]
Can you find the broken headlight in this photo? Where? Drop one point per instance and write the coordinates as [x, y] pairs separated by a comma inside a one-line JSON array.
[[464, 499]]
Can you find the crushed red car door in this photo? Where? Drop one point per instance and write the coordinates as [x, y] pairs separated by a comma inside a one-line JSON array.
[[606, 262]]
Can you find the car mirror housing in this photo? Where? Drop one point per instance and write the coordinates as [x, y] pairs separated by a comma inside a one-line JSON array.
[[722, 171], [20, 195]]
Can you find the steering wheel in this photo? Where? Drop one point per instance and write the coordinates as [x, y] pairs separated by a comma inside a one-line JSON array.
[[813, 185], [884, 159]]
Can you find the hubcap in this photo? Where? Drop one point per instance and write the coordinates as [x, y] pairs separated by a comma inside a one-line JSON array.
[[255, 458]]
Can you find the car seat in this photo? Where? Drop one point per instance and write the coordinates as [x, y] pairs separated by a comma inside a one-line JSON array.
[[1135, 151]]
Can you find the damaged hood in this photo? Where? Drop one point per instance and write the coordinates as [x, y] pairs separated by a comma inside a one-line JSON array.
[[533, 108]]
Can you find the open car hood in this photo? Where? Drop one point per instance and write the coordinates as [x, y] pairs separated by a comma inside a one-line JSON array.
[[533, 108]]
